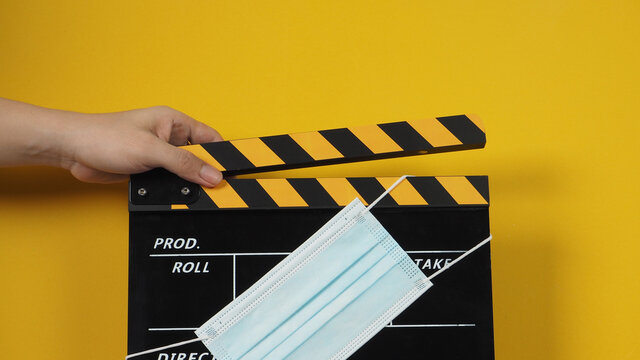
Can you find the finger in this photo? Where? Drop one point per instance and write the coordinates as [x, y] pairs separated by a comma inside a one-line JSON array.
[[184, 164], [203, 133], [90, 175], [185, 128]]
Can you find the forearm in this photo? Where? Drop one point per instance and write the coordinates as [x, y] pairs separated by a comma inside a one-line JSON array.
[[105, 147], [32, 135]]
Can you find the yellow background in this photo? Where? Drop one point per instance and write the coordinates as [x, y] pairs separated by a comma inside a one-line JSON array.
[[556, 82]]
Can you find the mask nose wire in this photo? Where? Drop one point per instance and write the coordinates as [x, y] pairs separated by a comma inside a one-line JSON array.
[[446, 267]]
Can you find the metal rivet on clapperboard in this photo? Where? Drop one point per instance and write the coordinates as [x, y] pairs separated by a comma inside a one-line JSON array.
[[185, 191], [142, 191]]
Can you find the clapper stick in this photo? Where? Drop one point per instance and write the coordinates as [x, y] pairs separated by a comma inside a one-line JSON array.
[[334, 146], [313, 148]]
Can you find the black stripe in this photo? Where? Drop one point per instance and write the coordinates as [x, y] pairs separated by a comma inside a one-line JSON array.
[[228, 156], [313, 193], [370, 188], [481, 183], [432, 191], [287, 149], [406, 136], [464, 129], [252, 193], [347, 143], [204, 202], [137, 207]]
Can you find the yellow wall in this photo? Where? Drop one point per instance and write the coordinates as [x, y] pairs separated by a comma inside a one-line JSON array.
[[557, 83]]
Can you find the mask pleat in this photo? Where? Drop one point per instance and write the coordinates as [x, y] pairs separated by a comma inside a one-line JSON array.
[[321, 305], [295, 293], [235, 311], [335, 333], [337, 305]]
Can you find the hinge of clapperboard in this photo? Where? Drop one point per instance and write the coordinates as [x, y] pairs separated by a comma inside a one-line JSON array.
[[160, 190]]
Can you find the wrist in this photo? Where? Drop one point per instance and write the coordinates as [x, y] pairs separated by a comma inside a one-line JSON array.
[[54, 138]]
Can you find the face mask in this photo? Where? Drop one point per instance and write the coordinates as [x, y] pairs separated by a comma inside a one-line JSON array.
[[323, 301]]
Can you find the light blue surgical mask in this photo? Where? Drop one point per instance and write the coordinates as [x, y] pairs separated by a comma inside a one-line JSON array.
[[323, 301]]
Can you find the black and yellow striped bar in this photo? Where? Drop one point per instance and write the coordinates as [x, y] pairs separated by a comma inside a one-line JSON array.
[[359, 143], [429, 191]]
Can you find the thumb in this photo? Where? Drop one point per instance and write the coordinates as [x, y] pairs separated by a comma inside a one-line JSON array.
[[185, 164]]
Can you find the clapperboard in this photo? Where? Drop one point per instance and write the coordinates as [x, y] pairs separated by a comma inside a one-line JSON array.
[[192, 250]]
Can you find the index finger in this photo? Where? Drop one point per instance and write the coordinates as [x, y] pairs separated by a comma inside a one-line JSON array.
[[185, 128], [202, 133]]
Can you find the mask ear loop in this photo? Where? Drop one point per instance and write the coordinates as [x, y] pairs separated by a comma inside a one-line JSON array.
[[385, 193], [168, 347], [468, 252], [446, 267]]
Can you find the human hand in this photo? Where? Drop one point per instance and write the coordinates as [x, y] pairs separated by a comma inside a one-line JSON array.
[[107, 147]]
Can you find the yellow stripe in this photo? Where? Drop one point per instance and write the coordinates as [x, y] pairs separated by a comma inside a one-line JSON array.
[[404, 193], [224, 196], [282, 192], [476, 120], [340, 190], [375, 139], [316, 145], [257, 152], [201, 153], [461, 190], [179, 206], [435, 133]]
